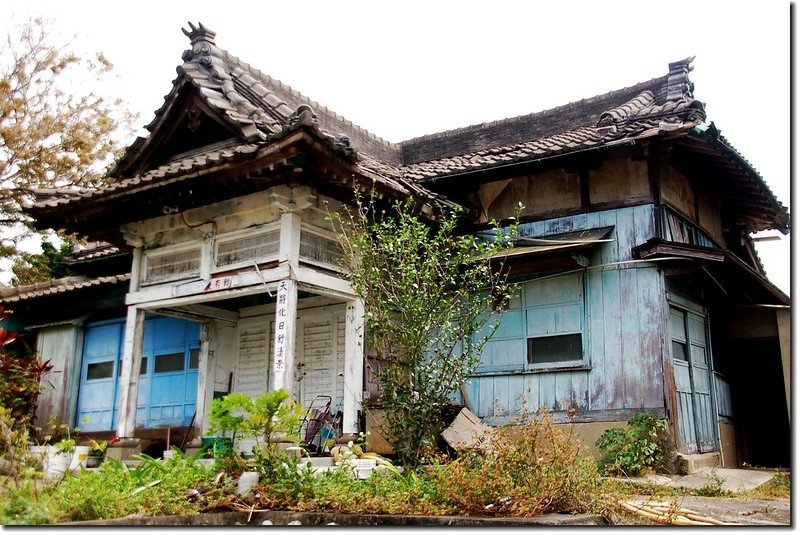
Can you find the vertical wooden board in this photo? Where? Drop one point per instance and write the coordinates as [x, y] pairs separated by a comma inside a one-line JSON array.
[[612, 333], [547, 391], [485, 396], [562, 391], [474, 389], [627, 221], [57, 344], [579, 396], [630, 334], [644, 216], [610, 251], [503, 398], [652, 304], [598, 392], [531, 392], [518, 406]]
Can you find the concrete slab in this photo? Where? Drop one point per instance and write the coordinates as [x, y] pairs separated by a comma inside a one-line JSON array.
[[728, 479]]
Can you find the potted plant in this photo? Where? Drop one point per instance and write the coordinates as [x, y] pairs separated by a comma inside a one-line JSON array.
[[97, 453], [271, 417]]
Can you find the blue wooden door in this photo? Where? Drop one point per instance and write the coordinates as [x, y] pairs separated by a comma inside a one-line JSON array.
[[172, 348], [97, 397], [690, 361], [168, 377]]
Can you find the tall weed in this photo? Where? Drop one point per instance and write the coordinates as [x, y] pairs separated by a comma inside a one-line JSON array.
[[532, 469]]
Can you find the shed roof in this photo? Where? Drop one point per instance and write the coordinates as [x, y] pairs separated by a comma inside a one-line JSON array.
[[57, 286]]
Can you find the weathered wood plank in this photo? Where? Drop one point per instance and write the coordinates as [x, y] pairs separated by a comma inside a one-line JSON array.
[[613, 372]]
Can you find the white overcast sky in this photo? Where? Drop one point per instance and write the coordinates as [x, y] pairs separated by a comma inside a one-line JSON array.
[[408, 68]]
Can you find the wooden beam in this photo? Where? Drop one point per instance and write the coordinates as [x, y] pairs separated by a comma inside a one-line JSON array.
[[131, 365], [353, 365], [200, 313]]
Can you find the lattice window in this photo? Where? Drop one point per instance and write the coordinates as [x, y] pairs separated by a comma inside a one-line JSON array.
[[247, 248], [320, 248], [170, 266]]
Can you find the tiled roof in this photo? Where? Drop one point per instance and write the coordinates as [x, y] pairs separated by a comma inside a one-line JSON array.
[[263, 110], [173, 171], [91, 251], [56, 286]]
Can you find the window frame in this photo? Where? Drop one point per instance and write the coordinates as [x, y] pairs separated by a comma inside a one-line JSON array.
[[226, 237], [147, 254], [521, 364], [322, 233]]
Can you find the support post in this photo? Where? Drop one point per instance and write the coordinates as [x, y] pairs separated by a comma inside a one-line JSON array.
[[353, 365], [131, 365], [204, 369], [285, 333]]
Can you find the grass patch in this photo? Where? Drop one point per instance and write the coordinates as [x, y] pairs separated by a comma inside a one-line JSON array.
[[534, 469]]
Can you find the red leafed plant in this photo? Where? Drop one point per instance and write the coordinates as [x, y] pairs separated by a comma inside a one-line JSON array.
[[21, 377]]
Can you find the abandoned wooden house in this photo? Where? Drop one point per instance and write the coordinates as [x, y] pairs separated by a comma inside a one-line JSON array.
[[216, 269]]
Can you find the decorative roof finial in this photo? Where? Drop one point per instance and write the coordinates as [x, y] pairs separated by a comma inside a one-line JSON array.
[[199, 34], [678, 84]]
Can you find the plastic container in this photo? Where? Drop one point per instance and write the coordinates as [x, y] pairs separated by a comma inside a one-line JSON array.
[[79, 457], [55, 464]]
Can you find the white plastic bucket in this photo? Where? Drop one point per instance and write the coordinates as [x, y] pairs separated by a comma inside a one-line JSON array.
[[79, 457], [55, 464], [168, 454]]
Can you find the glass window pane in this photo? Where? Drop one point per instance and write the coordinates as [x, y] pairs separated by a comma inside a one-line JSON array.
[[194, 359], [100, 370], [559, 348], [172, 362], [679, 351]]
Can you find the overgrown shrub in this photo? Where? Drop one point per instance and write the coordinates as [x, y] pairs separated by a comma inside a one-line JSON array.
[[429, 291], [532, 469], [631, 451]]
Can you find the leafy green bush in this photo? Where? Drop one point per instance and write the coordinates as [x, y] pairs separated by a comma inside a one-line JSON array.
[[262, 417], [631, 451]]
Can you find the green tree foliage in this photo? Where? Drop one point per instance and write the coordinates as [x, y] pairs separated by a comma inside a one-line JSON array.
[[29, 268], [429, 292], [55, 132]]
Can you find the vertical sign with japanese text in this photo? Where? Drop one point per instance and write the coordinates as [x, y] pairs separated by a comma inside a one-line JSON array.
[[281, 327]]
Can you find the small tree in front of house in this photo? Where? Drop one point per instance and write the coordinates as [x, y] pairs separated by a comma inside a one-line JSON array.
[[432, 299]]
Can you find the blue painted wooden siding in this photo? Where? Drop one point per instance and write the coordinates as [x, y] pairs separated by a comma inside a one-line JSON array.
[[622, 327]]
